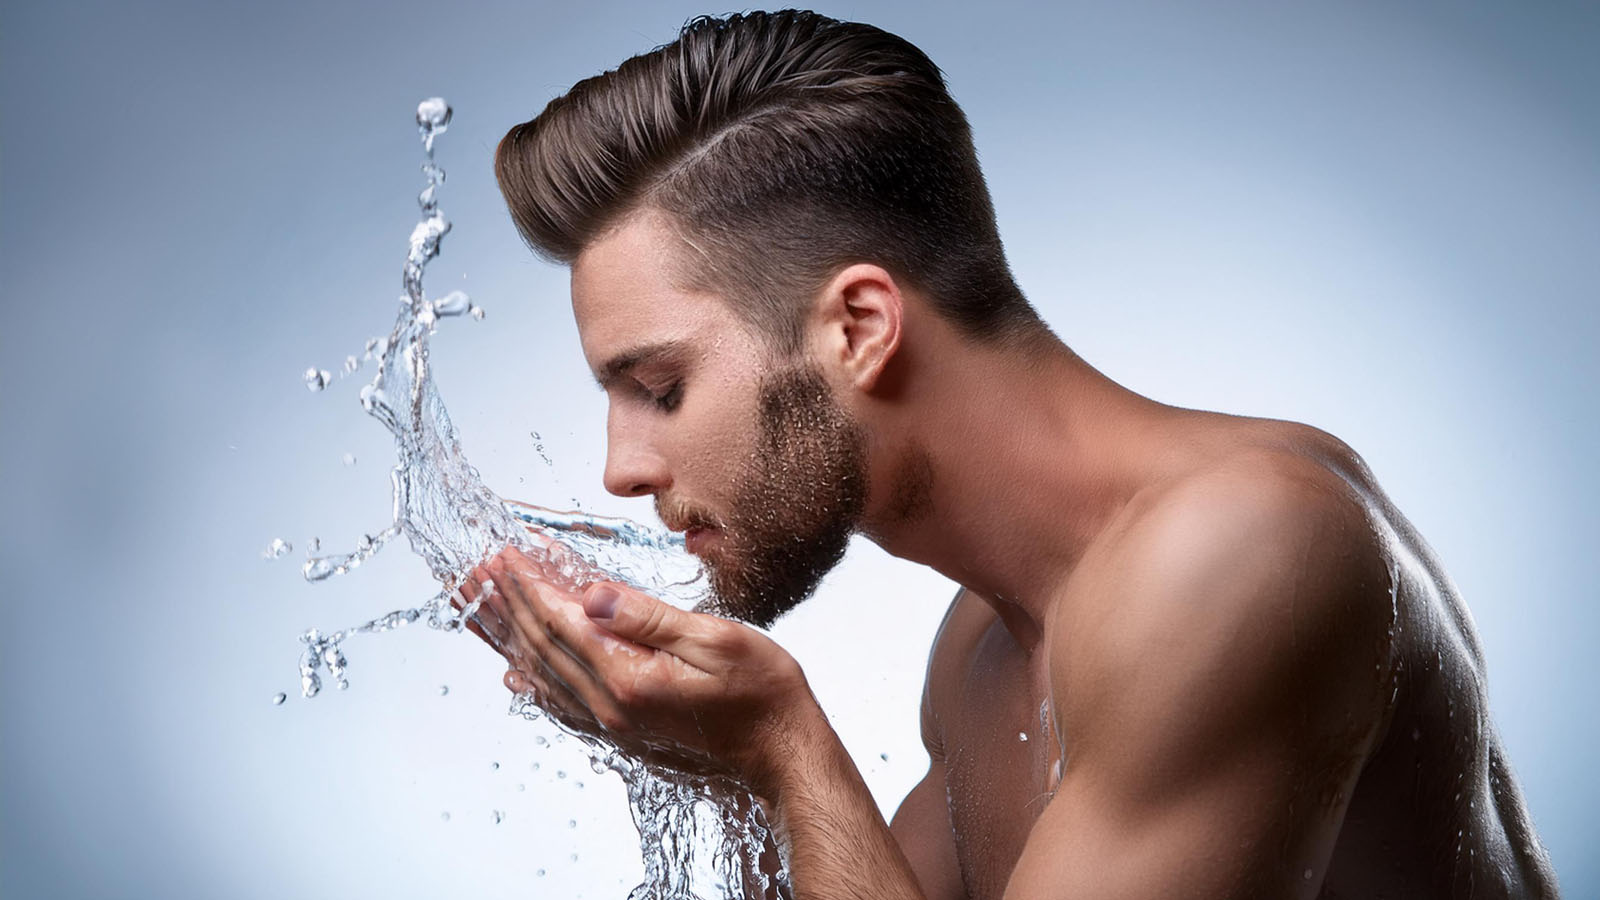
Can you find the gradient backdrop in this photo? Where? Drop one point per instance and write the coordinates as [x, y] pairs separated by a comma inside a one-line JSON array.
[[1379, 218]]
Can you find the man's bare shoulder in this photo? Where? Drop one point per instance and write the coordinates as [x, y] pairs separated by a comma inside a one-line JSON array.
[[1253, 586]]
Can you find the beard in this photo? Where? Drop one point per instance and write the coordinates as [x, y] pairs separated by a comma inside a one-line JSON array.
[[799, 498]]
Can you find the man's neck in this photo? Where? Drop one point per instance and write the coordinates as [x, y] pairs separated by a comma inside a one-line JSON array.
[[1025, 457]]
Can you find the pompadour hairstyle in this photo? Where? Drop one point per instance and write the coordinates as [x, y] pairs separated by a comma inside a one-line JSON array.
[[782, 147]]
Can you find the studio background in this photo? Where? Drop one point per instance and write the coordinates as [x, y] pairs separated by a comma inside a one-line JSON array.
[[1381, 219]]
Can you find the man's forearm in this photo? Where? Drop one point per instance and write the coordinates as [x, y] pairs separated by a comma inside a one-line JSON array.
[[837, 843]]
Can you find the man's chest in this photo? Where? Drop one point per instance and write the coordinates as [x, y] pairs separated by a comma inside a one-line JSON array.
[[1002, 757]]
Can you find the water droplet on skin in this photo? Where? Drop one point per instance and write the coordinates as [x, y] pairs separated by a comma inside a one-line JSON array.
[[278, 698], [1307, 874], [1022, 736], [498, 816], [277, 549], [444, 690]]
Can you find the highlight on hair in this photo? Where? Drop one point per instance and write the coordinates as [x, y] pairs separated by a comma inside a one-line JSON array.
[[783, 147]]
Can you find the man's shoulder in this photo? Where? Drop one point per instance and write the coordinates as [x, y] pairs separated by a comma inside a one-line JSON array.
[[1241, 514], [1259, 566]]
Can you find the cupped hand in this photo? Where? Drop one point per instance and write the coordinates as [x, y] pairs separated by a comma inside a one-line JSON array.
[[672, 687]]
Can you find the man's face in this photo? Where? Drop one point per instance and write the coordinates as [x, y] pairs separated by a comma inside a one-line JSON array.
[[750, 456]]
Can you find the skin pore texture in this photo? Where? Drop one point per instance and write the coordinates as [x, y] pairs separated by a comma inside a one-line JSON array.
[[1240, 671]]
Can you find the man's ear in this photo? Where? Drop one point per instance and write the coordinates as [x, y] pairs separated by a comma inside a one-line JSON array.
[[862, 314]]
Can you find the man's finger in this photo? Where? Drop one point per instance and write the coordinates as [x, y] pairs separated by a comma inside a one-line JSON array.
[[548, 623], [642, 619]]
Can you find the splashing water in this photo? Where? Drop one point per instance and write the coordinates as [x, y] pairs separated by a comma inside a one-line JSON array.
[[702, 839]]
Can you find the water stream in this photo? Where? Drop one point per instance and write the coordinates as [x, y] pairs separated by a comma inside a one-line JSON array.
[[700, 839]]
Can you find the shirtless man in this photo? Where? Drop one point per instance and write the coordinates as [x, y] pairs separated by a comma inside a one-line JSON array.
[[1238, 669]]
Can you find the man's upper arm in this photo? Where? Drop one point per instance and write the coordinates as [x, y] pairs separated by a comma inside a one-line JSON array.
[[1219, 705]]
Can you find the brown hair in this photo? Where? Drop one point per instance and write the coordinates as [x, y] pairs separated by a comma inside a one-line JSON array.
[[783, 147]]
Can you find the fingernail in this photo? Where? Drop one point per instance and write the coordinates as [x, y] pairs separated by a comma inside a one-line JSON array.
[[602, 601]]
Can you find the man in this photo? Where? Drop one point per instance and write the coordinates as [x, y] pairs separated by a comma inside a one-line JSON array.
[[1194, 655]]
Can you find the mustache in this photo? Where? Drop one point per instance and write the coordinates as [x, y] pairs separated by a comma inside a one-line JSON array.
[[680, 516]]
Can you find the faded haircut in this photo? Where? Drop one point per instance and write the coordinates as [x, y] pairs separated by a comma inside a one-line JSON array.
[[782, 147]]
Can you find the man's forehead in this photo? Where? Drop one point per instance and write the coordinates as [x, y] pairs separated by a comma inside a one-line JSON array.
[[626, 300]]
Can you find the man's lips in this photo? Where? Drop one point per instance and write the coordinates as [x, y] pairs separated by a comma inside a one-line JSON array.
[[697, 537]]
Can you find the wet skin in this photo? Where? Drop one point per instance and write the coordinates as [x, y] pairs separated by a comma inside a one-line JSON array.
[[1416, 801], [1388, 782], [1240, 671]]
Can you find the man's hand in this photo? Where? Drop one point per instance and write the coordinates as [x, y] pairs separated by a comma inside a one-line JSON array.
[[682, 689]]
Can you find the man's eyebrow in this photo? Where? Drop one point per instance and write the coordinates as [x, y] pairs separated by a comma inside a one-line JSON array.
[[624, 362]]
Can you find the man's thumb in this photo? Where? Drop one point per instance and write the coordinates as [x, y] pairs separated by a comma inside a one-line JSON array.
[[631, 615]]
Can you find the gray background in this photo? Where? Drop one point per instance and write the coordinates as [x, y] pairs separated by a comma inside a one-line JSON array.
[[1378, 218]]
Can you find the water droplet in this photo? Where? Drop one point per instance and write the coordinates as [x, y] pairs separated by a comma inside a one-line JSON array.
[[578, 785], [572, 823], [883, 756], [433, 114], [561, 773], [494, 767], [316, 379], [540, 740], [452, 304], [498, 816], [521, 787], [477, 313], [277, 549], [1307, 874], [444, 690], [278, 698], [539, 873], [536, 767], [350, 365], [444, 817], [1022, 736], [349, 459], [574, 857]]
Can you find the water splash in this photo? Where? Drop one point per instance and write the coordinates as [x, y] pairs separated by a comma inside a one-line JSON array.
[[701, 839]]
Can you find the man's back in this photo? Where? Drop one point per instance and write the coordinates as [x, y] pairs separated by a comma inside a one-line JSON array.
[[1397, 778]]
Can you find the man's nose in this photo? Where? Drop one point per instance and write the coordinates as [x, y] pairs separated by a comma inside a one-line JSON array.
[[633, 468]]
